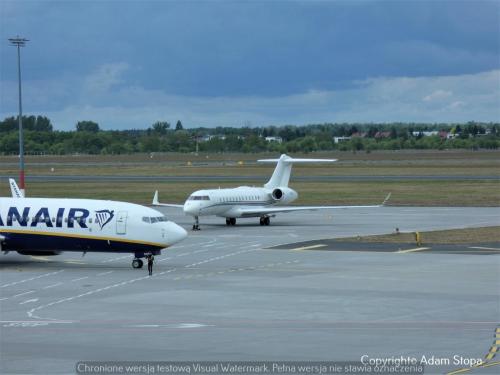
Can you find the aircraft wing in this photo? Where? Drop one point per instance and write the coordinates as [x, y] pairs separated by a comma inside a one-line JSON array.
[[256, 211], [157, 203]]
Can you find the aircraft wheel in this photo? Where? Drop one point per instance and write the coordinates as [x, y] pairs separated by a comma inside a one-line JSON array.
[[233, 221], [261, 221], [267, 221], [137, 263], [228, 221]]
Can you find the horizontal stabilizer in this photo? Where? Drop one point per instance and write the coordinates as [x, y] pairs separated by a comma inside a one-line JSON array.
[[281, 174]]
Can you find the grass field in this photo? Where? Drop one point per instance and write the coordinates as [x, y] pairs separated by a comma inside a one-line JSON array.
[[453, 236], [393, 163], [456, 192]]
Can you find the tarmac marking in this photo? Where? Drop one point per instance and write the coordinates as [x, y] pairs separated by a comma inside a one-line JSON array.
[[52, 286], [164, 259], [104, 273], [308, 247], [180, 325], [31, 313], [28, 301], [31, 279], [483, 248], [31, 323], [23, 294], [413, 250], [74, 262], [43, 259], [80, 278], [201, 251], [491, 364], [488, 357]]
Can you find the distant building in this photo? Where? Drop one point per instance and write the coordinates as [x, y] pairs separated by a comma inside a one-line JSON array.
[[340, 139], [207, 138], [381, 135], [425, 133], [359, 135], [274, 139], [445, 135]]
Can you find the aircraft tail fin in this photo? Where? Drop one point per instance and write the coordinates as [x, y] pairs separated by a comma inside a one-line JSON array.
[[281, 174], [14, 189]]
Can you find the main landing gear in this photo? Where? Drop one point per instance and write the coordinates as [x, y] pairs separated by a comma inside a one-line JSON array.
[[265, 220], [137, 263], [231, 221], [196, 225]]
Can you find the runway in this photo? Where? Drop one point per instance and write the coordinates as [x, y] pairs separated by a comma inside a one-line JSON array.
[[225, 294]]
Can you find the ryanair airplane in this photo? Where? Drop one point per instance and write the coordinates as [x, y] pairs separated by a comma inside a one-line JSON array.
[[48, 226]]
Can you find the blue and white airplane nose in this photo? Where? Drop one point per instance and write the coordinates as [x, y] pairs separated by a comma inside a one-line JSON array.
[[175, 233]]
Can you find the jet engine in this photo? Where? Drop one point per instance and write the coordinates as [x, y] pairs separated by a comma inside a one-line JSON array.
[[283, 194]]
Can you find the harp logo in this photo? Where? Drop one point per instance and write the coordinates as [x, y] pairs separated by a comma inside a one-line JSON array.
[[103, 217]]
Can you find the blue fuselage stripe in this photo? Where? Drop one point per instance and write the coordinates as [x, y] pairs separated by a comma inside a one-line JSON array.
[[34, 242]]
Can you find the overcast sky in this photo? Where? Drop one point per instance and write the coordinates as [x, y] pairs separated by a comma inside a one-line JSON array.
[[127, 64]]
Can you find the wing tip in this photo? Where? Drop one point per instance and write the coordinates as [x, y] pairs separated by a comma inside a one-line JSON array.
[[387, 199]]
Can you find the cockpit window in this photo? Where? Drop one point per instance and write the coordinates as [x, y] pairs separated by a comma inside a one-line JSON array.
[[199, 198], [152, 220], [158, 219]]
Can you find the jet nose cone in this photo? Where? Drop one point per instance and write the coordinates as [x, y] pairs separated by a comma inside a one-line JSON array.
[[175, 233], [191, 209]]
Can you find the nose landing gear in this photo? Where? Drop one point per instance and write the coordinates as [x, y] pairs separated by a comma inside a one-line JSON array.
[[196, 225], [230, 221]]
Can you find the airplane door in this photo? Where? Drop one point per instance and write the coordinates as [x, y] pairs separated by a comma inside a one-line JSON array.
[[121, 222]]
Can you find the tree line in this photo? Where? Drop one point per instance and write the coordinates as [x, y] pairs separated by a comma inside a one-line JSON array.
[[89, 138]]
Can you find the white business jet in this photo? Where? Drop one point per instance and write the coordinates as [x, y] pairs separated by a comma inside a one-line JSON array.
[[48, 226], [244, 202]]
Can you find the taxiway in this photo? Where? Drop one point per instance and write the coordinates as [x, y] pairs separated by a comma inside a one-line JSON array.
[[225, 294]]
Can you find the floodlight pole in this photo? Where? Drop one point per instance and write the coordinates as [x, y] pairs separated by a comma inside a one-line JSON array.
[[20, 42]]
